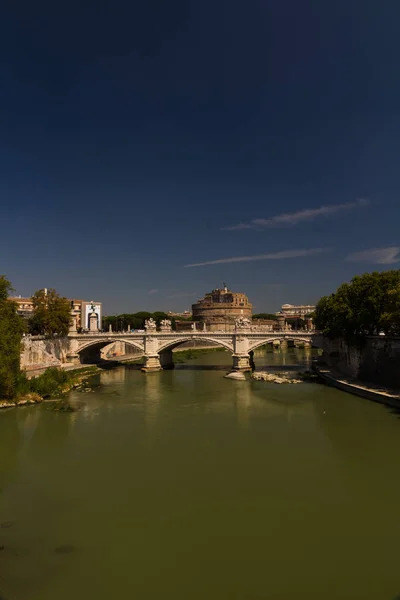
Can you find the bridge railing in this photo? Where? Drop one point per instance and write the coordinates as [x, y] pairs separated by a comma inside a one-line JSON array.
[[200, 333]]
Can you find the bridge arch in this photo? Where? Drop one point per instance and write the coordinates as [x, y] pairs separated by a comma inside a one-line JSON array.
[[174, 343], [272, 339], [90, 351]]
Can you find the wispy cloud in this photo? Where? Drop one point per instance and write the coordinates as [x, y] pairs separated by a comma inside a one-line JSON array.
[[154, 291], [273, 256], [290, 219], [376, 256], [183, 295]]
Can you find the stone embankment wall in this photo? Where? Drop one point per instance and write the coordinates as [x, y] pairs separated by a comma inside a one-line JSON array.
[[40, 352], [378, 361]]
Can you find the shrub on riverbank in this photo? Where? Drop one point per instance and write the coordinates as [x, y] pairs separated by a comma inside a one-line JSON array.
[[51, 383]]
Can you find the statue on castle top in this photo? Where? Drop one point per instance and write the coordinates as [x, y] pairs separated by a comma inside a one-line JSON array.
[[150, 325], [242, 323]]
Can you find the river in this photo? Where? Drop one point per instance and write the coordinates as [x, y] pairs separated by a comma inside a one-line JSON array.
[[185, 485]]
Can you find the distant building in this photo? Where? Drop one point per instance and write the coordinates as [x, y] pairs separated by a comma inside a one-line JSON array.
[[81, 309], [185, 325], [220, 308], [295, 311], [265, 324], [185, 314], [24, 306]]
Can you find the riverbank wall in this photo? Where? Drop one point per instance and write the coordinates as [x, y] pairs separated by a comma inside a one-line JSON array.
[[376, 361], [387, 397], [41, 352]]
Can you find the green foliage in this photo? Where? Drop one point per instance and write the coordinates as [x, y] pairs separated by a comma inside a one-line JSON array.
[[51, 314], [368, 305], [297, 323], [11, 329], [269, 316], [50, 382], [5, 288], [134, 320]]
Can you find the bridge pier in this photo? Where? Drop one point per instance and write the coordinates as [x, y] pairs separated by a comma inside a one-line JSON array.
[[151, 354], [74, 359], [241, 362], [151, 363], [72, 354]]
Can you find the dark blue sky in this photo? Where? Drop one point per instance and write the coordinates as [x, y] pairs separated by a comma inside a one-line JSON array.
[[136, 136]]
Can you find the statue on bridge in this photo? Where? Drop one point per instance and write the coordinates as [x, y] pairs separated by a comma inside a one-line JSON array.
[[165, 325], [150, 325], [242, 323]]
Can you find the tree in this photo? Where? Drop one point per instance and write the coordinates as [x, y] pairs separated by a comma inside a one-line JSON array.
[[51, 314], [11, 329], [268, 316], [158, 316], [368, 305], [297, 323], [134, 320]]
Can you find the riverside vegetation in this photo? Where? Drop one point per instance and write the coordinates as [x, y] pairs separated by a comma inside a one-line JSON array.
[[368, 305], [50, 318], [52, 383]]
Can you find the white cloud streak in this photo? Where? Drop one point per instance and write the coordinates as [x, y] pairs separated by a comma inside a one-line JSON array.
[[151, 292], [291, 219], [376, 256], [273, 256]]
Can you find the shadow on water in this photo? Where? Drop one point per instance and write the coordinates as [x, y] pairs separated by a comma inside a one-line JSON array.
[[282, 368], [272, 369], [189, 367], [394, 411]]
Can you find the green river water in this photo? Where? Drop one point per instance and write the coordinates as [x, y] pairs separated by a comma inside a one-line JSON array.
[[185, 485]]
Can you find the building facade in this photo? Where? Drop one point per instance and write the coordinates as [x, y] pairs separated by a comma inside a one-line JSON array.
[[80, 310], [296, 311], [219, 309]]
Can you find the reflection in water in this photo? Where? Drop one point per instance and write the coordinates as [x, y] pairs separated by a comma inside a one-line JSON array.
[[152, 398], [184, 484], [11, 443], [113, 376], [242, 402]]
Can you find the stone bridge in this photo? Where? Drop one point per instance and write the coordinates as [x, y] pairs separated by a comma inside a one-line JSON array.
[[156, 346]]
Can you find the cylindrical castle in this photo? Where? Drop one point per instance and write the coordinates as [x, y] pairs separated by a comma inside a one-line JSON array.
[[220, 308]]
